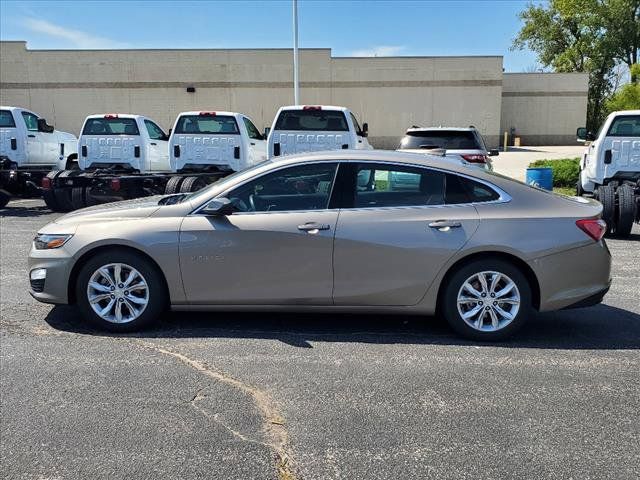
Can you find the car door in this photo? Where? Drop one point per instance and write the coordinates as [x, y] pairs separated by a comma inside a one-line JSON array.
[[158, 149], [35, 140], [396, 235], [275, 249], [257, 143]]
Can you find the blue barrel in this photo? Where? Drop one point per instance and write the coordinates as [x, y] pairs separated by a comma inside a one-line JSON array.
[[541, 177]]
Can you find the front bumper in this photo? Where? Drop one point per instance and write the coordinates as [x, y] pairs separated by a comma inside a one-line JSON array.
[[58, 264]]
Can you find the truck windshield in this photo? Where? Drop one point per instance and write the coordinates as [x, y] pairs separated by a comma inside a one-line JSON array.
[[312, 120], [207, 124], [110, 126], [6, 119], [447, 139]]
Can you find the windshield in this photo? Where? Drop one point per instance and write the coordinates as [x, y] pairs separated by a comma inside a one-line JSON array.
[[447, 139]]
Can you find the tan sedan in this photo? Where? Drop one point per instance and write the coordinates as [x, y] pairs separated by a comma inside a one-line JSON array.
[[334, 231]]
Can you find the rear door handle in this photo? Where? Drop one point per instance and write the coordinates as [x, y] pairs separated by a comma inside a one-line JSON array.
[[152, 143], [31, 135], [444, 225], [313, 227]]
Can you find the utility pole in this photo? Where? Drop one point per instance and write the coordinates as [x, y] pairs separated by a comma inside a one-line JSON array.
[[296, 86]]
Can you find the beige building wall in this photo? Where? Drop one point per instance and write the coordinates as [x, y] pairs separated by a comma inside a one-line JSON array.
[[390, 94], [544, 108]]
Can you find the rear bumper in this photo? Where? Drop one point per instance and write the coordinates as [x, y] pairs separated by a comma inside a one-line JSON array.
[[575, 277]]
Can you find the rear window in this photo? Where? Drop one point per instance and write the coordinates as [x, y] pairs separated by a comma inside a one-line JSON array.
[[447, 139], [312, 120], [625, 126], [464, 190], [207, 124], [6, 119], [110, 126]]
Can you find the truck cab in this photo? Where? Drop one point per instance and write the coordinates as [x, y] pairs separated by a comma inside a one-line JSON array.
[[310, 128], [123, 141], [215, 141], [27, 141], [614, 152]]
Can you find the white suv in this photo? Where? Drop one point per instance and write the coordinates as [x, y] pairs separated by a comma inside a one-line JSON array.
[[458, 143]]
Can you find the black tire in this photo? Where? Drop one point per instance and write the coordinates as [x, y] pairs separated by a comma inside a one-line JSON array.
[[173, 185], [90, 199], [626, 211], [78, 199], [158, 296], [607, 197], [449, 300], [4, 198], [63, 199], [192, 184]]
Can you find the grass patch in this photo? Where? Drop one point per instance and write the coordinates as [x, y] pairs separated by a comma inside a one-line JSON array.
[[571, 191], [565, 171]]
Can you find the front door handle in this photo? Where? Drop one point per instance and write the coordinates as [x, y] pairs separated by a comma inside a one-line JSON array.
[[31, 135], [313, 227], [153, 143], [445, 225]]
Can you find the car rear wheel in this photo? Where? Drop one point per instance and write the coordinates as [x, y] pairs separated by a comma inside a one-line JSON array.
[[120, 291], [487, 300]]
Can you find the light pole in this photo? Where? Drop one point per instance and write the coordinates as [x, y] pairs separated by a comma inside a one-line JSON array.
[[296, 87]]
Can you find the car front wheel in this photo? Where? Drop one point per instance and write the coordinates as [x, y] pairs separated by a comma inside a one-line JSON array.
[[120, 291], [487, 300]]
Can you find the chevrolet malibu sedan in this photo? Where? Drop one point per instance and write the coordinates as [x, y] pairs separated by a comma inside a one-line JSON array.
[[352, 231]]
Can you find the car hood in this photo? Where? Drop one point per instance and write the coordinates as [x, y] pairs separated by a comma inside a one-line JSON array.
[[137, 208]]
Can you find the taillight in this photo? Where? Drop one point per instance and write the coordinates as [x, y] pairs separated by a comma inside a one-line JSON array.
[[207, 114], [312, 107], [46, 183], [594, 227], [115, 184], [474, 158], [111, 115]]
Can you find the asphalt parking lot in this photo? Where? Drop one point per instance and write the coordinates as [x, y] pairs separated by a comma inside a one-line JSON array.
[[248, 396]]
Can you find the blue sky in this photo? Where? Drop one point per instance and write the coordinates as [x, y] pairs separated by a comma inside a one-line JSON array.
[[349, 28]]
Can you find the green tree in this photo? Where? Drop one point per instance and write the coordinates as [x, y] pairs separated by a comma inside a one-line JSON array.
[[591, 36], [628, 97]]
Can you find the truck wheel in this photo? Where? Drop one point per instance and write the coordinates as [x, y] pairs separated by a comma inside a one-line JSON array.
[[90, 199], [192, 184], [626, 211], [173, 185], [63, 198], [4, 198], [78, 198], [48, 196], [607, 197]]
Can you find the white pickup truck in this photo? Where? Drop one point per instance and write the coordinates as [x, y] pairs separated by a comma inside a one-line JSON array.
[[610, 169], [310, 128], [215, 141], [29, 149]]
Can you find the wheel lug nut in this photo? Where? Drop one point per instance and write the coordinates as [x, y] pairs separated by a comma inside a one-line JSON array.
[[126, 292], [493, 295], [112, 296], [120, 285], [480, 303], [113, 288], [484, 295], [487, 308], [495, 303], [121, 299]]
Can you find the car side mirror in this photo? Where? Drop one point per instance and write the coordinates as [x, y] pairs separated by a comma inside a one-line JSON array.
[[219, 207], [365, 130], [43, 127], [494, 152]]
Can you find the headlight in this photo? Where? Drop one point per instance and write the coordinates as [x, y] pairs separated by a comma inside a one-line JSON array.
[[47, 242]]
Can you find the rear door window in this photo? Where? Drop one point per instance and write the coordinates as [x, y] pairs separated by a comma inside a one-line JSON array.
[[625, 126], [312, 120], [207, 125], [6, 119], [379, 185], [111, 126], [447, 139]]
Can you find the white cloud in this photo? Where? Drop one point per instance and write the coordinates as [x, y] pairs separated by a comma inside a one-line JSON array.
[[379, 51], [76, 38]]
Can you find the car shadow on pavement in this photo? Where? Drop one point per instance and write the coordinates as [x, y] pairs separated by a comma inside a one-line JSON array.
[[24, 211], [599, 327]]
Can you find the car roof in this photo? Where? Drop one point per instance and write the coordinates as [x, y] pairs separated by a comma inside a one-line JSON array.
[[323, 107], [624, 112], [217, 112], [430, 129], [391, 156]]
